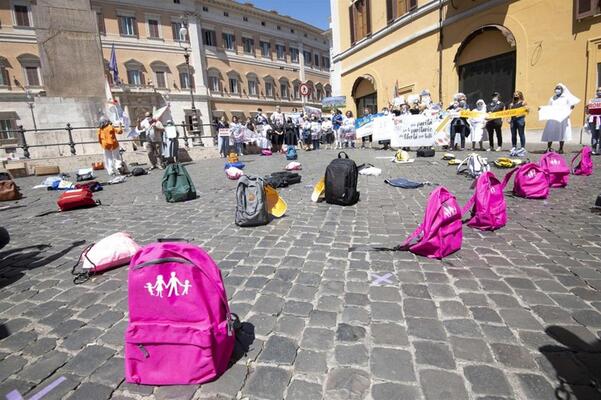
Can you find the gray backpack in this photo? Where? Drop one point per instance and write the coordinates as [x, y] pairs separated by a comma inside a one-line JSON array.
[[251, 209]]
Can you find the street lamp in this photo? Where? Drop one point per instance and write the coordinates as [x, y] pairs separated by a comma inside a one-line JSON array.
[[31, 102], [183, 32]]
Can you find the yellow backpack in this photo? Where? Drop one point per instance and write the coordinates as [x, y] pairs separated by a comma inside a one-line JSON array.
[[504, 162]]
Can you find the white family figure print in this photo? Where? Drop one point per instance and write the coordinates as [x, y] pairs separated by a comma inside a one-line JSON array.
[[174, 285]]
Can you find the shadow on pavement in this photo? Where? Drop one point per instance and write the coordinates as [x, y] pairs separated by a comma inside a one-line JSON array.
[[577, 365], [245, 336], [14, 262], [4, 332]]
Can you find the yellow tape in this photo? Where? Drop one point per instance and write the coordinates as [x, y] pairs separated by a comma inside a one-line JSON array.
[[443, 123], [516, 112]]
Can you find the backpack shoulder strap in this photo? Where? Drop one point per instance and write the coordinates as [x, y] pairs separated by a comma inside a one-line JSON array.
[[463, 165], [407, 243], [468, 206], [341, 153], [508, 177], [575, 157]]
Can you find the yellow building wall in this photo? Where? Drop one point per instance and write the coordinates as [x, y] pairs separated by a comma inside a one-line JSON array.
[[551, 47]]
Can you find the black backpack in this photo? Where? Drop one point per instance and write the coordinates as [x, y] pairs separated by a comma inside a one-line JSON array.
[[282, 179], [341, 181], [426, 152]]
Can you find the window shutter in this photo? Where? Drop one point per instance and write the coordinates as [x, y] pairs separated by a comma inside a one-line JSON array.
[[389, 11], [351, 13], [412, 5], [586, 8], [121, 25], [100, 21], [135, 23], [367, 20]]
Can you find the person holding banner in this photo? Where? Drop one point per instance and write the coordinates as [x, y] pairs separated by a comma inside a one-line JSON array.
[[477, 124], [560, 131], [593, 112], [290, 133], [495, 125], [364, 139], [223, 130], [337, 119], [459, 125], [518, 124], [306, 128], [277, 117], [315, 132]]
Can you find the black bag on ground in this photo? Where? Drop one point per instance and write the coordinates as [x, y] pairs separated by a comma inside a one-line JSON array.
[[138, 171], [598, 201], [341, 181], [251, 206], [282, 179], [425, 152]]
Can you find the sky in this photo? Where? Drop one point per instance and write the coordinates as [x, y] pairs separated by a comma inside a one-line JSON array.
[[314, 12]]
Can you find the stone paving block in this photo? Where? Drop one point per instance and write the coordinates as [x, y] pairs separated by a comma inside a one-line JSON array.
[[279, 350], [11, 365], [88, 360], [394, 391], [349, 333], [351, 354], [346, 383], [389, 334], [513, 356], [40, 369], [462, 327], [433, 354], [439, 385], [536, 387], [420, 308], [309, 361], [487, 380], [426, 328], [302, 390], [267, 382], [290, 325], [92, 391], [391, 364], [470, 349], [61, 391], [317, 339], [386, 311]]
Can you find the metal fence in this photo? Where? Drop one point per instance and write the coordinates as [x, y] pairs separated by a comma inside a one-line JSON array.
[[20, 132]]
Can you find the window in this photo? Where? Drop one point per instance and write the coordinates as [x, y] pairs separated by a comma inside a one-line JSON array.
[[175, 30], [249, 45], [245, 19], [6, 125], [316, 63], [127, 26], [161, 79], [328, 91], [252, 87], [268, 89], [4, 76], [226, 14], [229, 41], [205, 8], [280, 51], [586, 8], [308, 57], [279, 28], [325, 62], [233, 85], [184, 80], [294, 55], [398, 8], [296, 91], [291, 30], [284, 90], [33, 76], [360, 20], [265, 49], [22, 15], [176, 2], [209, 38], [319, 93], [214, 84], [262, 23], [100, 23], [134, 77], [153, 29]]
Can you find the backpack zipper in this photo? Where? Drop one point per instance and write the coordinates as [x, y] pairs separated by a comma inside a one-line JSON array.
[[143, 350], [163, 261]]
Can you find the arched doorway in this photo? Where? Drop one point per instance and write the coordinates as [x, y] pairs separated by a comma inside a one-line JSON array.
[[486, 63], [365, 94]]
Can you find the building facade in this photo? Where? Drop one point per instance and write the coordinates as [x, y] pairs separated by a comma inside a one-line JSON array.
[[240, 58], [383, 47]]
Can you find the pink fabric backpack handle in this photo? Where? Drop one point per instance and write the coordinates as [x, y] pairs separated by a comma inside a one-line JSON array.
[[407, 243], [468, 206], [507, 177]]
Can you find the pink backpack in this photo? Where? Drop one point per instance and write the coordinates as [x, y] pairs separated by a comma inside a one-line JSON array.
[[585, 166], [531, 181], [489, 210], [180, 327], [441, 233], [266, 152], [557, 169]]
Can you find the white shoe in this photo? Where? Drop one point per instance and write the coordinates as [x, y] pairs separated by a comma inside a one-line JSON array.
[[498, 149]]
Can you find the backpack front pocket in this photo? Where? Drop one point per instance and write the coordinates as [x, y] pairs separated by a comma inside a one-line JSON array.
[[168, 354]]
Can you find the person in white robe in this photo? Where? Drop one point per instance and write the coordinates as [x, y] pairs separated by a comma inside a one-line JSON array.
[[559, 131], [478, 124]]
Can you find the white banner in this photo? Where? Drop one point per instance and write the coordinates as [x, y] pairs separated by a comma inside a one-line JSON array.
[[556, 113], [413, 131]]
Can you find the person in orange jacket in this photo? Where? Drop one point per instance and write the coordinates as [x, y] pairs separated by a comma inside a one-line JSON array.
[[107, 137]]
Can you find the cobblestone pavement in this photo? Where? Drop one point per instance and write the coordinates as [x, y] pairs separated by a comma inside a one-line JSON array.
[[514, 315]]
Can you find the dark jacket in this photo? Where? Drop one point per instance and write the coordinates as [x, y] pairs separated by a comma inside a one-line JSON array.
[[494, 107]]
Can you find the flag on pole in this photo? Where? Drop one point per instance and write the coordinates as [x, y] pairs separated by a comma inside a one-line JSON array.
[[113, 65]]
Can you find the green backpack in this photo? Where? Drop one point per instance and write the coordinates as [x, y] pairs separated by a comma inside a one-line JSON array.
[[177, 185]]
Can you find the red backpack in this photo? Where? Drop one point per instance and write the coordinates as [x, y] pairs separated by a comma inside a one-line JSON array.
[[78, 198]]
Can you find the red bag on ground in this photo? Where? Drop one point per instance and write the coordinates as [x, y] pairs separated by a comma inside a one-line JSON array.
[[78, 198]]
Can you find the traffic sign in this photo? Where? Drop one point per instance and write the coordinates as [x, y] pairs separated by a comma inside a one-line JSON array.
[[305, 89]]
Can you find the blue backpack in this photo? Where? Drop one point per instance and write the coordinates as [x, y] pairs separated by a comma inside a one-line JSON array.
[[291, 153], [238, 164]]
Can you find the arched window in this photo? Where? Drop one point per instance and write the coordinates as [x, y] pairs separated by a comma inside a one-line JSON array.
[[328, 90], [311, 96], [186, 76], [284, 88], [269, 86], [4, 75], [161, 71], [31, 69], [214, 79], [252, 84], [135, 73], [234, 81], [296, 89], [319, 92]]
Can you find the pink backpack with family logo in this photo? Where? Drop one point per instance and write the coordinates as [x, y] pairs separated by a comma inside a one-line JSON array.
[[531, 181], [180, 327], [489, 210], [585, 166], [440, 234], [557, 169]]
